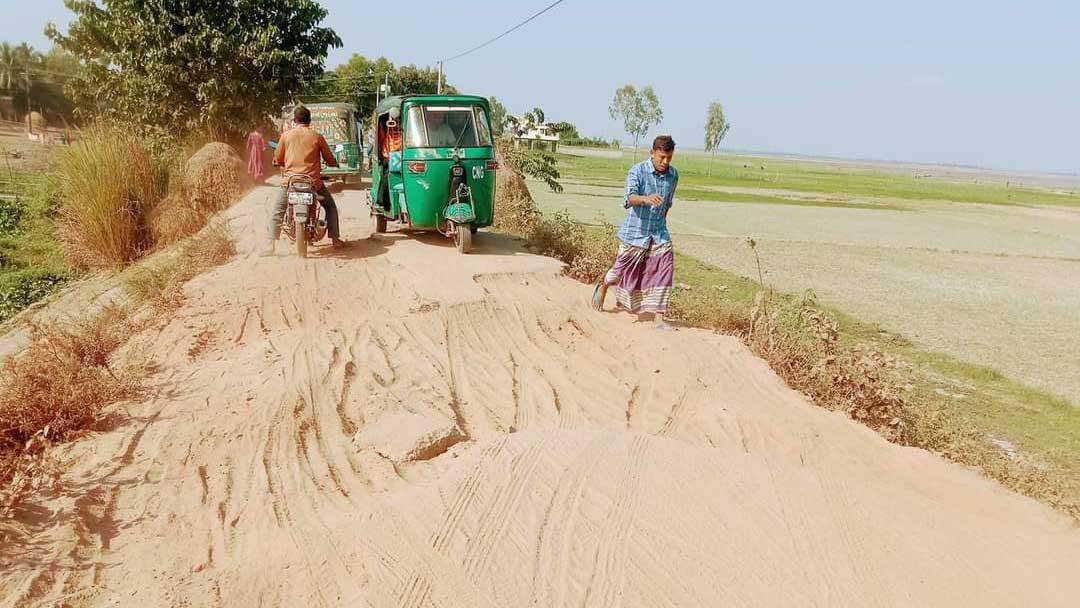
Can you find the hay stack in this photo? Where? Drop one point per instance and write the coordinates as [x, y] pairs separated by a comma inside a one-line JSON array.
[[210, 180], [515, 211]]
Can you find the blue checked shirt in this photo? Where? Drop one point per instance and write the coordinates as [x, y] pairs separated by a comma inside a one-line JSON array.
[[642, 222]]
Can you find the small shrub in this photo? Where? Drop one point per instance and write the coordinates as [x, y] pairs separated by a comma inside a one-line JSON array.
[[537, 164], [588, 253], [11, 212], [801, 344], [56, 388], [21, 288]]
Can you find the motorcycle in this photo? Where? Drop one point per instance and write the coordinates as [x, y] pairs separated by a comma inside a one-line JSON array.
[[305, 219]]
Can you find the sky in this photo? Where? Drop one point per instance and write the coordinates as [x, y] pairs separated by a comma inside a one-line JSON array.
[[989, 83]]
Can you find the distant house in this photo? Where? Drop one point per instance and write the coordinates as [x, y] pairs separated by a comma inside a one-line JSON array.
[[528, 135]]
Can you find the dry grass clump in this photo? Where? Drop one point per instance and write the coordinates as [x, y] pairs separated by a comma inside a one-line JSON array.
[[119, 199], [801, 344], [161, 284], [57, 387], [587, 253], [108, 181]]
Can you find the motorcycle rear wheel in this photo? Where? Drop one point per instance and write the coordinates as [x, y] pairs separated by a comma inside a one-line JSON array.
[[301, 240]]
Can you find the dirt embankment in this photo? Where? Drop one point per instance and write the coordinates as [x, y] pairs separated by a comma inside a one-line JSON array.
[[396, 425]]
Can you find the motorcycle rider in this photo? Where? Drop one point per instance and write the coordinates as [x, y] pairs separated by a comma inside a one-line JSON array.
[[299, 151]]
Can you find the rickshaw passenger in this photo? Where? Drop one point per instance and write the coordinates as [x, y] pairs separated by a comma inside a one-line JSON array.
[[390, 142]]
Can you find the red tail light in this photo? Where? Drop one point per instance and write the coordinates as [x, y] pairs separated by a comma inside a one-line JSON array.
[[417, 166], [492, 165]]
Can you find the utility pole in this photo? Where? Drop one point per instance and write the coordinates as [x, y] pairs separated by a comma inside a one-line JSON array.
[[29, 122], [438, 89]]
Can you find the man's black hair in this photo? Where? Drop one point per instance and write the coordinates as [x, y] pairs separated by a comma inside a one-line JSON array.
[[664, 143], [302, 115]]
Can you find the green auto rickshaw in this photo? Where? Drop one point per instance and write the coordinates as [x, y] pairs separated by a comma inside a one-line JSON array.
[[337, 122], [434, 165]]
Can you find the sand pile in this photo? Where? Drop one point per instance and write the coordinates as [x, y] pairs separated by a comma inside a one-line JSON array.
[[398, 425]]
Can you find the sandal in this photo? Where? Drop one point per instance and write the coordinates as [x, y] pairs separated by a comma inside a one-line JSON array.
[[597, 298]]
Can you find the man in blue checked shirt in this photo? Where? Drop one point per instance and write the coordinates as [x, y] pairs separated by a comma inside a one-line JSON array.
[[645, 264]]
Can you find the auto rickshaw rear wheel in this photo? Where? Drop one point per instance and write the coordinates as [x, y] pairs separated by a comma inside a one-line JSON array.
[[463, 238], [380, 223]]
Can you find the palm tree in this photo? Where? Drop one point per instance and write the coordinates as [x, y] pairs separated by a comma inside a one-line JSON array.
[[7, 65]]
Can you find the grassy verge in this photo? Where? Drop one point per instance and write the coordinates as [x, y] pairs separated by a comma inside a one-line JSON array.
[[32, 264], [697, 172]]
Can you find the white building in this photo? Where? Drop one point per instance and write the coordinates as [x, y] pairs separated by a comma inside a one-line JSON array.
[[528, 135]]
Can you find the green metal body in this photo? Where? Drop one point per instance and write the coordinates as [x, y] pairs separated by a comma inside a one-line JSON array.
[[420, 200]]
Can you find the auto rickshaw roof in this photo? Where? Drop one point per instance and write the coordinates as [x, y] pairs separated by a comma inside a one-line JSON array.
[[396, 101]]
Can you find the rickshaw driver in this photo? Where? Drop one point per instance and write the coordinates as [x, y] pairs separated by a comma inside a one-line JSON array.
[[299, 151], [439, 132]]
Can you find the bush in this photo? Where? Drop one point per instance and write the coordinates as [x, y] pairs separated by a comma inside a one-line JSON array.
[[55, 388], [537, 164], [11, 211], [21, 288], [108, 180], [120, 199]]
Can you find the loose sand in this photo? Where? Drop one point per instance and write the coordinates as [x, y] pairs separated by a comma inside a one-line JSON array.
[[398, 425]]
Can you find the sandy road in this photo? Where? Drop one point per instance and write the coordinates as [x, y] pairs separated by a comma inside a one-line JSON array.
[[397, 425]]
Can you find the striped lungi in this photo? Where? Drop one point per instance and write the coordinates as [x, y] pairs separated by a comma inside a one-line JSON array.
[[642, 277]]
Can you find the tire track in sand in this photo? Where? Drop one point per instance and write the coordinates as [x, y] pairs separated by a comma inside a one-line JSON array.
[[556, 536], [608, 576]]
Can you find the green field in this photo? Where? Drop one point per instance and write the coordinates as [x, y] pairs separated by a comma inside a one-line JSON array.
[[699, 172], [31, 263]]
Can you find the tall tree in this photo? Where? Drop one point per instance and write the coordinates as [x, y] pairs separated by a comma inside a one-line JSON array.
[[716, 127], [498, 117], [8, 65], [638, 111], [198, 65]]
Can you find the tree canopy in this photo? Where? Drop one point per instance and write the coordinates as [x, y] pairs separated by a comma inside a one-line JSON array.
[[498, 116], [215, 66], [638, 110], [358, 79], [716, 126], [47, 72]]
